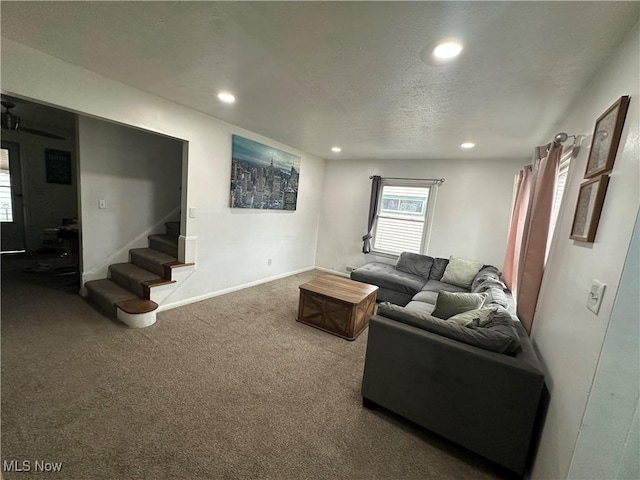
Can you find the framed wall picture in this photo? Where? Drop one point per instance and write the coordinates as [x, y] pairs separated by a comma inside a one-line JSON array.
[[263, 177], [58, 166], [606, 136], [588, 209]]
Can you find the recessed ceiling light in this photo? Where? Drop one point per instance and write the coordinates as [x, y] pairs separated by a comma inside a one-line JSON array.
[[447, 50], [468, 145], [226, 97], [336, 149]]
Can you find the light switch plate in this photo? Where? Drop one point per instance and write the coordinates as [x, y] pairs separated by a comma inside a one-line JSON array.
[[594, 298], [192, 212], [102, 204]]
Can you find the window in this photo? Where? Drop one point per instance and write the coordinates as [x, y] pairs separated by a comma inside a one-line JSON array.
[[6, 209], [561, 181], [403, 213]]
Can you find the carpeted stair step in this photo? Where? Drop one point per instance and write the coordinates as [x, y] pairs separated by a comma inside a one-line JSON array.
[[151, 260], [107, 293], [165, 244], [172, 229], [131, 277]]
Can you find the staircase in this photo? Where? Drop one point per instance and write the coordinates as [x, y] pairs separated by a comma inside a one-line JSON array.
[[127, 293]]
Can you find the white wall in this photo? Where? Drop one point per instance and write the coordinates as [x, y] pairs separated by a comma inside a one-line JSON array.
[[608, 434], [567, 336], [471, 217], [45, 204], [232, 246], [138, 174]]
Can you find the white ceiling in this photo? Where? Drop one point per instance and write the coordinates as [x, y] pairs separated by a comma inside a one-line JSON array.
[[316, 74]]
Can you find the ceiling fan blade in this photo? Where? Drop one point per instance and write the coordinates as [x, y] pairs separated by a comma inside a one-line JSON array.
[[40, 132]]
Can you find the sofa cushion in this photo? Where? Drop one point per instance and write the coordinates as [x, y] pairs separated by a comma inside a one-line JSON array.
[[437, 286], [415, 264], [438, 268], [387, 276], [461, 272], [497, 336], [476, 318], [426, 297], [421, 308], [449, 304]]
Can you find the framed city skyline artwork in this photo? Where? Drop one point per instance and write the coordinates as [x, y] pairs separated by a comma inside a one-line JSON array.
[[263, 177]]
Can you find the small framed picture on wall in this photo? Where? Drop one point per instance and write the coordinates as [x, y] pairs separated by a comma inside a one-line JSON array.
[[589, 208], [58, 166], [606, 137]]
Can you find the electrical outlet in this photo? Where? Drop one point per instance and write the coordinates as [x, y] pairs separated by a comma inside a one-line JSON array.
[[350, 268], [268, 261], [594, 298]]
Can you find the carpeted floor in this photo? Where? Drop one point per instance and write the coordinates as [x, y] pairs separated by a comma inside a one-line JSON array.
[[232, 387]]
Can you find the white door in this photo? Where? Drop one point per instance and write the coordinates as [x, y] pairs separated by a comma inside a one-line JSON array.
[[11, 211]]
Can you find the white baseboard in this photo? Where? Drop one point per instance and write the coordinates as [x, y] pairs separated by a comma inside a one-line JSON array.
[[333, 272], [206, 296]]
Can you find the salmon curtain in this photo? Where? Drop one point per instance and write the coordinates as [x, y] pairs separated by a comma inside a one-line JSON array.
[[529, 231]]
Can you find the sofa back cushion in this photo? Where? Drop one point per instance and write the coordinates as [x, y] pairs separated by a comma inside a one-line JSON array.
[[498, 335], [415, 264], [461, 272], [438, 268], [437, 286], [449, 304]]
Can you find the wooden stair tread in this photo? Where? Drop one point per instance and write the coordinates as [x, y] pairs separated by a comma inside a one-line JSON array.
[[158, 282], [137, 306], [178, 264]]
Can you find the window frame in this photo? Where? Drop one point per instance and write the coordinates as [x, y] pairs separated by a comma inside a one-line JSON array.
[[11, 210], [428, 216], [556, 207]]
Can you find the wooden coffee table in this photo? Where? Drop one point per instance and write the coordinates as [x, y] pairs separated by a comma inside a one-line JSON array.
[[337, 305]]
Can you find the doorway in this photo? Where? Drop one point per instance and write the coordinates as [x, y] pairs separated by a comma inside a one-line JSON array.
[[11, 206]]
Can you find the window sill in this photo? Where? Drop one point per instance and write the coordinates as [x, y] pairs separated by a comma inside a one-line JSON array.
[[383, 254]]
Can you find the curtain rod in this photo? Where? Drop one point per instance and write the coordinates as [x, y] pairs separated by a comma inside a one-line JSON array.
[[562, 137], [437, 180]]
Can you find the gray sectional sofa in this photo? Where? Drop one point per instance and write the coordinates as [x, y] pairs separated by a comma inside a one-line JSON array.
[[478, 385]]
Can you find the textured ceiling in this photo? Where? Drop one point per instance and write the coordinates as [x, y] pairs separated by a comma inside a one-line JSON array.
[[316, 74]]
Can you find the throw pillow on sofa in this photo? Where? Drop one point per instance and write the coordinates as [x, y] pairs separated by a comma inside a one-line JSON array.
[[438, 268], [476, 318], [415, 264], [461, 272], [449, 304]]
